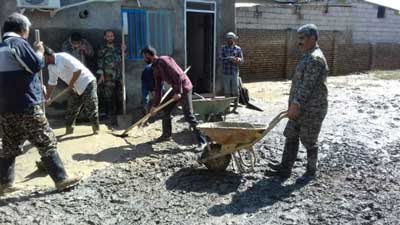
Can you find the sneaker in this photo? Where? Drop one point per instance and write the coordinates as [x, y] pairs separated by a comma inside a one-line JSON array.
[[9, 188], [67, 183]]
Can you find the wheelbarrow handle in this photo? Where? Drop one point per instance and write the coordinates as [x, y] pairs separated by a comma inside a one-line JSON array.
[[271, 125]]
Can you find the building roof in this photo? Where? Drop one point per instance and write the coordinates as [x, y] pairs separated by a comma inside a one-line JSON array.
[[393, 4]]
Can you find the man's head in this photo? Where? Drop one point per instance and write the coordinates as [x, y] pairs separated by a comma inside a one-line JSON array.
[[48, 55], [109, 36], [149, 54], [76, 39], [231, 38], [307, 37], [17, 23]]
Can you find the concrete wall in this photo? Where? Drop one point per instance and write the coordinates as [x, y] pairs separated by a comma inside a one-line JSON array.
[[368, 28], [352, 37], [55, 30]]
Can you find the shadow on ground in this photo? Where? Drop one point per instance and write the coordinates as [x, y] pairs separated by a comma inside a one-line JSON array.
[[204, 181], [264, 193]]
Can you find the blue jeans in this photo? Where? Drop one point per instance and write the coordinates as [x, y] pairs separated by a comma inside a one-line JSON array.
[[231, 85]]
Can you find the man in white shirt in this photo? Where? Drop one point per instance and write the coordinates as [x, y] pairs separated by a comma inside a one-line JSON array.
[[80, 81]]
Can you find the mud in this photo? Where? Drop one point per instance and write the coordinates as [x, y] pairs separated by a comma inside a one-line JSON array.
[[161, 183]]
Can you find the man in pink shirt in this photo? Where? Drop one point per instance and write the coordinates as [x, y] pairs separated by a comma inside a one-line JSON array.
[[165, 69]]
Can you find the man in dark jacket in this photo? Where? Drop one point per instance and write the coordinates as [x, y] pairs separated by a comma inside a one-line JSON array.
[[21, 115], [165, 69]]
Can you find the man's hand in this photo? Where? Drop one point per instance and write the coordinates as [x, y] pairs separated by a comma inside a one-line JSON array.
[[38, 46], [294, 111], [176, 97], [237, 60], [153, 111], [101, 79], [83, 51]]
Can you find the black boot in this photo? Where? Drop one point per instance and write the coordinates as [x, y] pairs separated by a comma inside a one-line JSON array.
[[55, 169], [166, 131], [289, 155], [7, 175], [96, 127], [312, 158]]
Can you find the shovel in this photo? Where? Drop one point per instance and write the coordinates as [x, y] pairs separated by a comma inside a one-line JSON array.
[[123, 119], [164, 96], [145, 118], [59, 95]]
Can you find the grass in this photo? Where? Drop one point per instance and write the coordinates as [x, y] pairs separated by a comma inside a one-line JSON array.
[[386, 75]]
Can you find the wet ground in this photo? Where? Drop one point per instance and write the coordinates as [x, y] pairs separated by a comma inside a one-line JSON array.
[[161, 183]]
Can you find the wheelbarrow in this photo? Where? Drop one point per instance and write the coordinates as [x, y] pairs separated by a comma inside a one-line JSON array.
[[212, 109], [229, 138]]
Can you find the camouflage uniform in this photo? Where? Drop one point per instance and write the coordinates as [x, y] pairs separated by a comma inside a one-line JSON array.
[[109, 65], [88, 99], [310, 92], [30, 125], [78, 53]]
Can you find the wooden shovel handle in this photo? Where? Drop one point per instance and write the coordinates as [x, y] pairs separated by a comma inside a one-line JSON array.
[[147, 116], [59, 95]]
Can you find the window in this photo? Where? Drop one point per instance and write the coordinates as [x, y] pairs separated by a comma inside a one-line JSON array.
[[148, 28], [381, 12]]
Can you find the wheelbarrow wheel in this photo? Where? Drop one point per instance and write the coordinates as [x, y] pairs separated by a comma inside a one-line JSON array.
[[219, 164]]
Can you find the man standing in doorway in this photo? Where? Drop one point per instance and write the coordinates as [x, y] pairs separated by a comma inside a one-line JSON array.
[[165, 69], [232, 57], [109, 72], [81, 82], [308, 105], [21, 115]]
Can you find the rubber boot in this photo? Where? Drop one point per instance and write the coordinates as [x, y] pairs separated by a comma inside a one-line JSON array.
[[312, 159], [96, 127], [289, 155], [55, 169], [7, 176], [235, 106], [166, 130], [69, 130]]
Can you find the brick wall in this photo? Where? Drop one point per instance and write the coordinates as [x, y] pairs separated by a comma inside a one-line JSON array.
[[268, 38]]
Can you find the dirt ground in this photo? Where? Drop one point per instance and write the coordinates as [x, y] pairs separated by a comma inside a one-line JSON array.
[[137, 181]]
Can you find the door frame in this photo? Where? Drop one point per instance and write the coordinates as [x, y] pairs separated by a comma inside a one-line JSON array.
[[214, 12]]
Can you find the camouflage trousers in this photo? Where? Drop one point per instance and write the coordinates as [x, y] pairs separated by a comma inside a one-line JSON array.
[[306, 128], [112, 97], [30, 125], [88, 100]]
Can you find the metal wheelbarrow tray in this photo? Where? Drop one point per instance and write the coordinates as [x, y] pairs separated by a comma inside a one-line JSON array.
[[207, 108], [230, 137]]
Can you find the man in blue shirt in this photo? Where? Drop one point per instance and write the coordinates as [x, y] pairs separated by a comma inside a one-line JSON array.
[[148, 85], [232, 57], [21, 115]]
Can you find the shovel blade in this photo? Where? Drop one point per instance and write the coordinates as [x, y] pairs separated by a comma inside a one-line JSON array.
[[124, 121]]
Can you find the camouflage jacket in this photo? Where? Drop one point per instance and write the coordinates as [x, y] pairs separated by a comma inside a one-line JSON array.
[[86, 50], [309, 88], [109, 62]]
